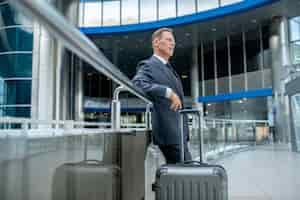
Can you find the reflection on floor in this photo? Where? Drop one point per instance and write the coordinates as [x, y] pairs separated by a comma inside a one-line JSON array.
[[264, 172], [269, 172]]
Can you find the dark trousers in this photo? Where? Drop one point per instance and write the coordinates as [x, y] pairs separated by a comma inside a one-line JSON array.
[[172, 153]]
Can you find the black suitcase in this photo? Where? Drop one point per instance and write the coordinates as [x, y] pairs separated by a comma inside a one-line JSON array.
[[191, 180], [86, 180]]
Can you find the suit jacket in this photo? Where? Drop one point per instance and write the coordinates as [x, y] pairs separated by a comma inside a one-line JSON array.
[[153, 77]]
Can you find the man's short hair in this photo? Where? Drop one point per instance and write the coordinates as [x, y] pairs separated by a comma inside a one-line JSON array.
[[159, 32]]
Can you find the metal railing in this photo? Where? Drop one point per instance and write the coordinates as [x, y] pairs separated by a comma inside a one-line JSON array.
[[226, 136], [31, 128], [76, 41]]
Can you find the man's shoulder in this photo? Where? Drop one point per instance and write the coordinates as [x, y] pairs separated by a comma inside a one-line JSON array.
[[147, 61]]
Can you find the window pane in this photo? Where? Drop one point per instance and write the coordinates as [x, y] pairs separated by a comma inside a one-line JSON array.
[[266, 49], [111, 12], [236, 53], [16, 39], [17, 92], [222, 58], [93, 84], [92, 13], [167, 9], [295, 29], [186, 7], [148, 10], [295, 49], [1, 92], [10, 17], [207, 4], [7, 15], [200, 69], [130, 11], [15, 111], [253, 50], [227, 2], [15, 65], [208, 61]]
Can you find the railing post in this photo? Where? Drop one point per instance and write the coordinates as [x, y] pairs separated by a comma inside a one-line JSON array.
[[116, 114], [148, 116], [21, 147], [254, 133], [201, 135], [116, 108], [224, 135]]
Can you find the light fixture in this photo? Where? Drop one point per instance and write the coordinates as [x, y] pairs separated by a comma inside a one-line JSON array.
[[208, 104], [187, 34], [184, 76], [240, 101], [213, 29], [254, 21]]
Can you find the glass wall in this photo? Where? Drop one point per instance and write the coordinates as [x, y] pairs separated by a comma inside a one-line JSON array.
[[209, 72], [92, 13], [222, 57], [111, 12], [148, 10], [236, 50], [253, 49], [228, 2], [295, 39], [115, 12], [266, 47], [207, 4], [16, 44], [186, 7], [222, 66], [295, 109], [166, 9], [129, 11], [233, 55]]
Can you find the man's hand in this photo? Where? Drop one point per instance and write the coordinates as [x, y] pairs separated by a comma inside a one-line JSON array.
[[175, 102]]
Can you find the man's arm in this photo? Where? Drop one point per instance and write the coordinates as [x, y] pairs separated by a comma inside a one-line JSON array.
[[144, 79]]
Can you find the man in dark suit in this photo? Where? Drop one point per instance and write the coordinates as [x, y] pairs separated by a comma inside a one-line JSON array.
[[157, 78]]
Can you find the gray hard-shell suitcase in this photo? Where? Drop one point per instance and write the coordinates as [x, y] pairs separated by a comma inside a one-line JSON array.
[[191, 180], [86, 180]]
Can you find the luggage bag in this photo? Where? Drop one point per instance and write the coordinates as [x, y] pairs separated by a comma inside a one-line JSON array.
[[191, 180], [88, 179]]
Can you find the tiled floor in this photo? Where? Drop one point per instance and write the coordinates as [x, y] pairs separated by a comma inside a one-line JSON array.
[[264, 173], [269, 172]]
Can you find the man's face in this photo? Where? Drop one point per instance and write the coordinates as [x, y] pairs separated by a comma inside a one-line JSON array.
[[166, 44]]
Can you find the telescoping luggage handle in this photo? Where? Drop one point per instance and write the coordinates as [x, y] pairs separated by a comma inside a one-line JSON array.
[[197, 113]]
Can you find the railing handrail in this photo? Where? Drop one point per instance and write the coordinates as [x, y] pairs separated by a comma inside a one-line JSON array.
[[235, 120], [19, 120], [80, 124], [77, 42]]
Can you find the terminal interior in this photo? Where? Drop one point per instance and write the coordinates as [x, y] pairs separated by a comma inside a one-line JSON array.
[[66, 93]]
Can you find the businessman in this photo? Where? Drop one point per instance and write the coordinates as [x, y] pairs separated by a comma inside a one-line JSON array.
[[158, 79]]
